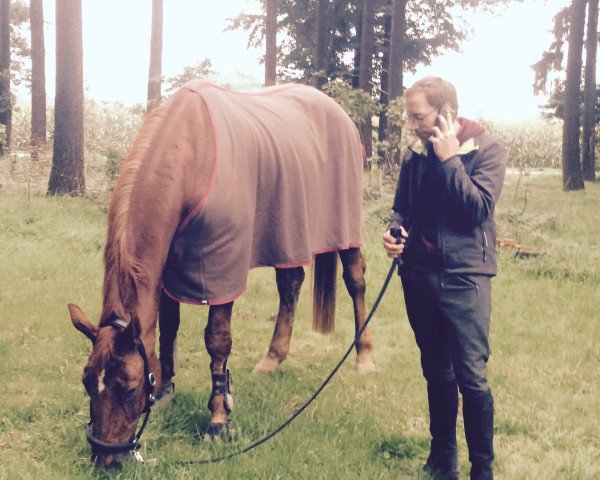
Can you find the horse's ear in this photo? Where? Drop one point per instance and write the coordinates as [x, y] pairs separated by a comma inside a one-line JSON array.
[[125, 341], [82, 323]]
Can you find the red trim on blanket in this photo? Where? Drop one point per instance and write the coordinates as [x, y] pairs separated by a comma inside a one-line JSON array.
[[222, 301]]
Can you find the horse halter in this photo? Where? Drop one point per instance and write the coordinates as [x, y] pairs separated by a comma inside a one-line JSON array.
[[150, 381]]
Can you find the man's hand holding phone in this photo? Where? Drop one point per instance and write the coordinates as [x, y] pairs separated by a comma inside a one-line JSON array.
[[445, 143]]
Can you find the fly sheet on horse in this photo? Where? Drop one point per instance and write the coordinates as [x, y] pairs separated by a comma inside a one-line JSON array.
[[286, 184]]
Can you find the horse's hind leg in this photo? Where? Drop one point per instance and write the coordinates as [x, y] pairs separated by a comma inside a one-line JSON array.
[[354, 278], [289, 282], [217, 336], [168, 325]]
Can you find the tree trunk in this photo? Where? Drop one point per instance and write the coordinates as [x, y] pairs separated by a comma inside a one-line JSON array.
[[571, 165], [385, 74], [357, 42], [5, 94], [67, 174], [38, 75], [365, 74], [155, 70], [396, 80], [323, 33], [397, 49], [590, 95], [271, 44]]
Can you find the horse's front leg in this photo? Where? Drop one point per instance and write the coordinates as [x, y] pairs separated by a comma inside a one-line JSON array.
[[289, 282], [217, 336], [354, 278], [168, 325]]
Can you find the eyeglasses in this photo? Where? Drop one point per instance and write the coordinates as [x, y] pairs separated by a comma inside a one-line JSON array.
[[418, 117]]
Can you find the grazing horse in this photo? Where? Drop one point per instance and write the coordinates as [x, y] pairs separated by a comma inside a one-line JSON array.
[[218, 182]]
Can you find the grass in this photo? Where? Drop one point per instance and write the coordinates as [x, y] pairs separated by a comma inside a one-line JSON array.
[[544, 367]]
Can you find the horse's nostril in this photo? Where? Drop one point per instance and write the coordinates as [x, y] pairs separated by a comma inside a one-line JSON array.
[[108, 463]]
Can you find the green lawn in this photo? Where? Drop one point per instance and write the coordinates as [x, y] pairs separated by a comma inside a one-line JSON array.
[[544, 368]]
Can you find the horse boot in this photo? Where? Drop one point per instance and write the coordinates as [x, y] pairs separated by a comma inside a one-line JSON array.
[[442, 462], [222, 384], [166, 392], [478, 412]]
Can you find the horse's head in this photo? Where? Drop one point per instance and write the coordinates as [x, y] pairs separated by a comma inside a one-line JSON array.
[[119, 383]]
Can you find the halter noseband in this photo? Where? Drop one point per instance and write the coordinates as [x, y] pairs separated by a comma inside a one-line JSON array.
[[149, 382]]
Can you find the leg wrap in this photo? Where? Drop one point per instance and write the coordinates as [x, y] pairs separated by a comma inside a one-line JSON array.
[[222, 384]]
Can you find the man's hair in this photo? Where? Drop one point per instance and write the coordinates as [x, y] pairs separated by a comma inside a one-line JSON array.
[[438, 92]]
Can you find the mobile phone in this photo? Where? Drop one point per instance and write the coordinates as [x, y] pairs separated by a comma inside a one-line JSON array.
[[443, 112]]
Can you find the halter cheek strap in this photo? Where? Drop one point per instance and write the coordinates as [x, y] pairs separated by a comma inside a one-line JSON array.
[[149, 383]]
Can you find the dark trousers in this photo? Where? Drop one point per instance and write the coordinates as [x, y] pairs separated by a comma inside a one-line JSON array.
[[450, 317]]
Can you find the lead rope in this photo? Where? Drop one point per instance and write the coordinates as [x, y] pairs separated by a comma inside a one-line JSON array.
[[314, 395]]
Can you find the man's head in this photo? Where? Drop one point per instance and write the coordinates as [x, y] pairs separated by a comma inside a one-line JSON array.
[[425, 100]]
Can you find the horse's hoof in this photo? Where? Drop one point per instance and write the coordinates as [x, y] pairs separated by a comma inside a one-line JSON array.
[[219, 432], [166, 394], [366, 366], [266, 365]]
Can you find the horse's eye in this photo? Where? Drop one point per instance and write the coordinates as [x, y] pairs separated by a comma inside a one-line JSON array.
[[129, 395]]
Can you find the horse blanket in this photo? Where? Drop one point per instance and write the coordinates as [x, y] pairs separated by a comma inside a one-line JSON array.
[[287, 185]]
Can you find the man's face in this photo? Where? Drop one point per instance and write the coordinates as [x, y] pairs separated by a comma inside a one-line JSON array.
[[421, 115]]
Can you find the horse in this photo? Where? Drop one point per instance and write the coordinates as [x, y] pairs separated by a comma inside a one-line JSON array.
[[218, 182]]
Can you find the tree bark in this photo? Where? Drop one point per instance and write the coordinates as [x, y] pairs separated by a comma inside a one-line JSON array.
[[155, 70], [67, 174], [323, 32], [590, 95], [38, 75], [5, 93], [384, 81], [357, 43], [397, 49], [271, 44], [365, 74], [571, 165]]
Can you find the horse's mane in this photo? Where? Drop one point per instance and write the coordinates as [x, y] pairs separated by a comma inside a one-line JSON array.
[[121, 270]]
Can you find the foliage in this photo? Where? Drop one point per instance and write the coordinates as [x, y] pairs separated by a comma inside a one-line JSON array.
[[552, 59], [202, 69], [358, 104], [19, 42], [432, 28]]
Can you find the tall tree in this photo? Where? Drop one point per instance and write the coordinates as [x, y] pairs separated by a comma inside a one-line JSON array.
[[67, 174], [365, 74], [5, 93], [323, 34], [38, 75], [590, 95], [155, 70], [271, 43], [571, 165], [384, 79], [397, 49], [355, 72]]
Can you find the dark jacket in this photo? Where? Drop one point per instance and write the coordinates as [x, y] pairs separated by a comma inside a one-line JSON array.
[[469, 186]]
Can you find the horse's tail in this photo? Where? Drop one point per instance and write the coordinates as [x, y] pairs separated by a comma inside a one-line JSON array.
[[325, 275]]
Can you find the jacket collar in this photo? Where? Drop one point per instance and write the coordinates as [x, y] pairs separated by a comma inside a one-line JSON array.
[[464, 148]]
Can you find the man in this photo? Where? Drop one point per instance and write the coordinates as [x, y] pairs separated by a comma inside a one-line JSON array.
[[450, 180]]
